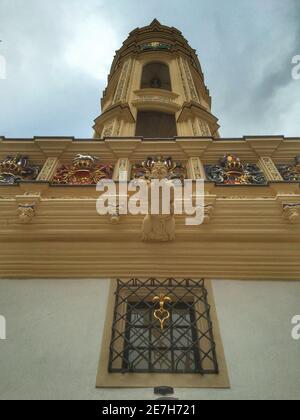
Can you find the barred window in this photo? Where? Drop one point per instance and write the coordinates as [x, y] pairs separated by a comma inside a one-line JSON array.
[[181, 341]]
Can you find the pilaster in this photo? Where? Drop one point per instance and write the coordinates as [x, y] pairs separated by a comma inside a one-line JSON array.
[[195, 169], [122, 170], [267, 165], [48, 169]]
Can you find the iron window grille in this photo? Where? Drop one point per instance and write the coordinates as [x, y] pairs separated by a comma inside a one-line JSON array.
[[185, 344]]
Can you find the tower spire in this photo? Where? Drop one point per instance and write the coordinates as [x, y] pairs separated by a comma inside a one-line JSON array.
[[155, 22]]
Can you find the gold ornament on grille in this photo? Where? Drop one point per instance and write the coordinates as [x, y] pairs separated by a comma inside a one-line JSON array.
[[162, 314]]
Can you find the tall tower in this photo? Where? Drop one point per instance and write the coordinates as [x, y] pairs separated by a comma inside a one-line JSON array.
[[156, 89]]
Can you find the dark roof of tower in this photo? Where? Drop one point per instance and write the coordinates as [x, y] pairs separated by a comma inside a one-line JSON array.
[[155, 22], [169, 36]]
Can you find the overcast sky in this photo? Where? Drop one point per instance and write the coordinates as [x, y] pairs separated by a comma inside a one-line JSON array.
[[58, 54]]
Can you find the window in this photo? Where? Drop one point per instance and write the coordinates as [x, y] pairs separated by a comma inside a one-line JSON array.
[[184, 345], [156, 76], [151, 124]]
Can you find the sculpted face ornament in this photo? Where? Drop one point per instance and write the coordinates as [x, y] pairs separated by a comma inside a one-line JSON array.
[[85, 170], [291, 212], [162, 314], [26, 213], [231, 171], [16, 169]]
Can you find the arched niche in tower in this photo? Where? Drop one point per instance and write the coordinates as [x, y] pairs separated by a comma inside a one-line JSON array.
[[155, 124], [156, 75]]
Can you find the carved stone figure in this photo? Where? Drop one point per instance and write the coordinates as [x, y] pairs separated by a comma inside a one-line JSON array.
[[208, 212], [159, 227]]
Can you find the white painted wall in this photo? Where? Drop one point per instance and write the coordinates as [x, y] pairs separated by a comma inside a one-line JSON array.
[[54, 331]]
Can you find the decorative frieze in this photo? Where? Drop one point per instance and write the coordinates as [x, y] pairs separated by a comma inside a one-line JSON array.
[[84, 170], [159, 168], [16, 169], [291, 173], [155, 46], [231, 171]]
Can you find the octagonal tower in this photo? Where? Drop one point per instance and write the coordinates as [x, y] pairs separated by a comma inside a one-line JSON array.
[[156, 89]]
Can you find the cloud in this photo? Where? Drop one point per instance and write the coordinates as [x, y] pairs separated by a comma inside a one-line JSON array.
[[90, 44], [58, 56]]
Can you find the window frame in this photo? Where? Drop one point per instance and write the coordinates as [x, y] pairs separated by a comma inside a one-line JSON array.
[[151, 63], [106, 379]]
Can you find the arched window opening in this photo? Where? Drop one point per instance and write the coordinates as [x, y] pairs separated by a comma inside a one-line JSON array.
[[156, 76], [151, 124]]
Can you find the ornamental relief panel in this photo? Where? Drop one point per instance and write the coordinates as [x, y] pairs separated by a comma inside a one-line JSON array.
[[159, 168], [200, 128], [112, 128], [191, 84], [183, 80], [231, 171], [84, 170], [290, 173], [155, 46], [123, 86], [14, 169], [187, 81]]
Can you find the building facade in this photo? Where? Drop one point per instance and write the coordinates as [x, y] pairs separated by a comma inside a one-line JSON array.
[[156, 122]]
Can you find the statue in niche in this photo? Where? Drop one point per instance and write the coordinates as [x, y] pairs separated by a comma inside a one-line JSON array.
[[159, 227], [156, 83]]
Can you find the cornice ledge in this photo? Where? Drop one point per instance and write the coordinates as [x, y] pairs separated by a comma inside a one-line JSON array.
[[33, 188], [119, 109], [53, 146], [193, 109], [264, 145], [194, 147], [123, 147], [285, 188]]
